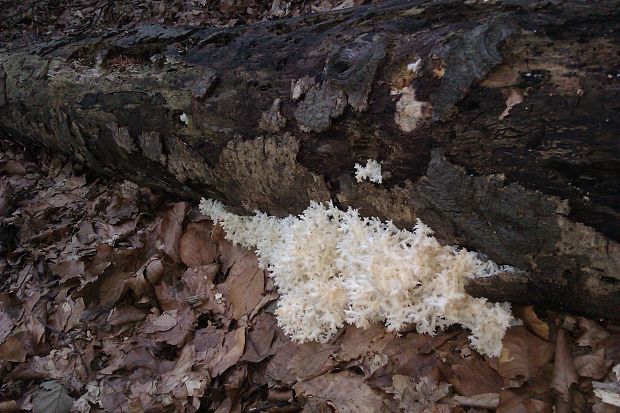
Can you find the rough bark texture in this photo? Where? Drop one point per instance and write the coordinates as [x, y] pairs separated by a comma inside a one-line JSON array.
[[496, 124]]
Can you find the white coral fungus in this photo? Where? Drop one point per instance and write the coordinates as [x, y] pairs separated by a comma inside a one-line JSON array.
[[372, 171], [334, 267]]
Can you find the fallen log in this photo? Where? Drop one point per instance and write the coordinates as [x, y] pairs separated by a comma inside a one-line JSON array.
[[496, 124]]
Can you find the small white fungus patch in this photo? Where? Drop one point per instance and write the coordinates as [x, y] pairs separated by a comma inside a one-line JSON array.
[[372, 171], [415, 66], [333, 267], [410, 111], [184, 118]]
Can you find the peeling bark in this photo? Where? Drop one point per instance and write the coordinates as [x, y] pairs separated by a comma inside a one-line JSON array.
[[496, 124]]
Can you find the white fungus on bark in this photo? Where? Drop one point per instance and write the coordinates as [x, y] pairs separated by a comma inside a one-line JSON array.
[[333, 267], [372, 171]]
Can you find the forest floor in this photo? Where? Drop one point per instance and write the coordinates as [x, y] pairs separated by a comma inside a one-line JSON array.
[[114, 298]]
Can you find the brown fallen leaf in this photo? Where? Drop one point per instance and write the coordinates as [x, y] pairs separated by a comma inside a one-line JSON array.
[[180, 381], [564, 374], [109, 286], [134, 405], [230, 353], [164, 322], [172, 326], [125, 314], [523, 354], [199, 289], [229, 253], [316, 406], [169, 230], [112, 398], [356, 342], [313, 359], [277, 367], [244, 286], [67, 314], [259, 340], [68, 269], [181, 332], [418, 397], [474, 376], [148, 275], [63, 365], [13, 349], [520, 402], [195, 246], [593, 364], [404, 355], [345, 392], [138, 357]]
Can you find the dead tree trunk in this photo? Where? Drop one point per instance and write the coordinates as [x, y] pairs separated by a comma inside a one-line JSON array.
[[498, 125]]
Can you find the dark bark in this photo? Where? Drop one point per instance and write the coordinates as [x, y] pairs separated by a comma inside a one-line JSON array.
[[505, 139]]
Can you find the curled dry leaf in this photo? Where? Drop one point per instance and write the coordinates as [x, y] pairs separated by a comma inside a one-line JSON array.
[[484, 400], [148, 275], [564, 373], [168, 231], [532, 322]]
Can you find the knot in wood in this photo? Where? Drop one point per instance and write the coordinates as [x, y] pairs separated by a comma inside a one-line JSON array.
[[353, 67], [351, 62]]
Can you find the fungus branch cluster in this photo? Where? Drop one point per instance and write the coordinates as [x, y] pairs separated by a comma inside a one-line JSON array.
[[333, 267]]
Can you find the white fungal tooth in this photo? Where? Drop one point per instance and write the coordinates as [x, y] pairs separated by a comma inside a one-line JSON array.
[[333, 267], [372, 171]]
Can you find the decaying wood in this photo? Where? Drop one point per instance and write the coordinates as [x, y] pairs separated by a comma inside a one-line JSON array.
[[496, 124]]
